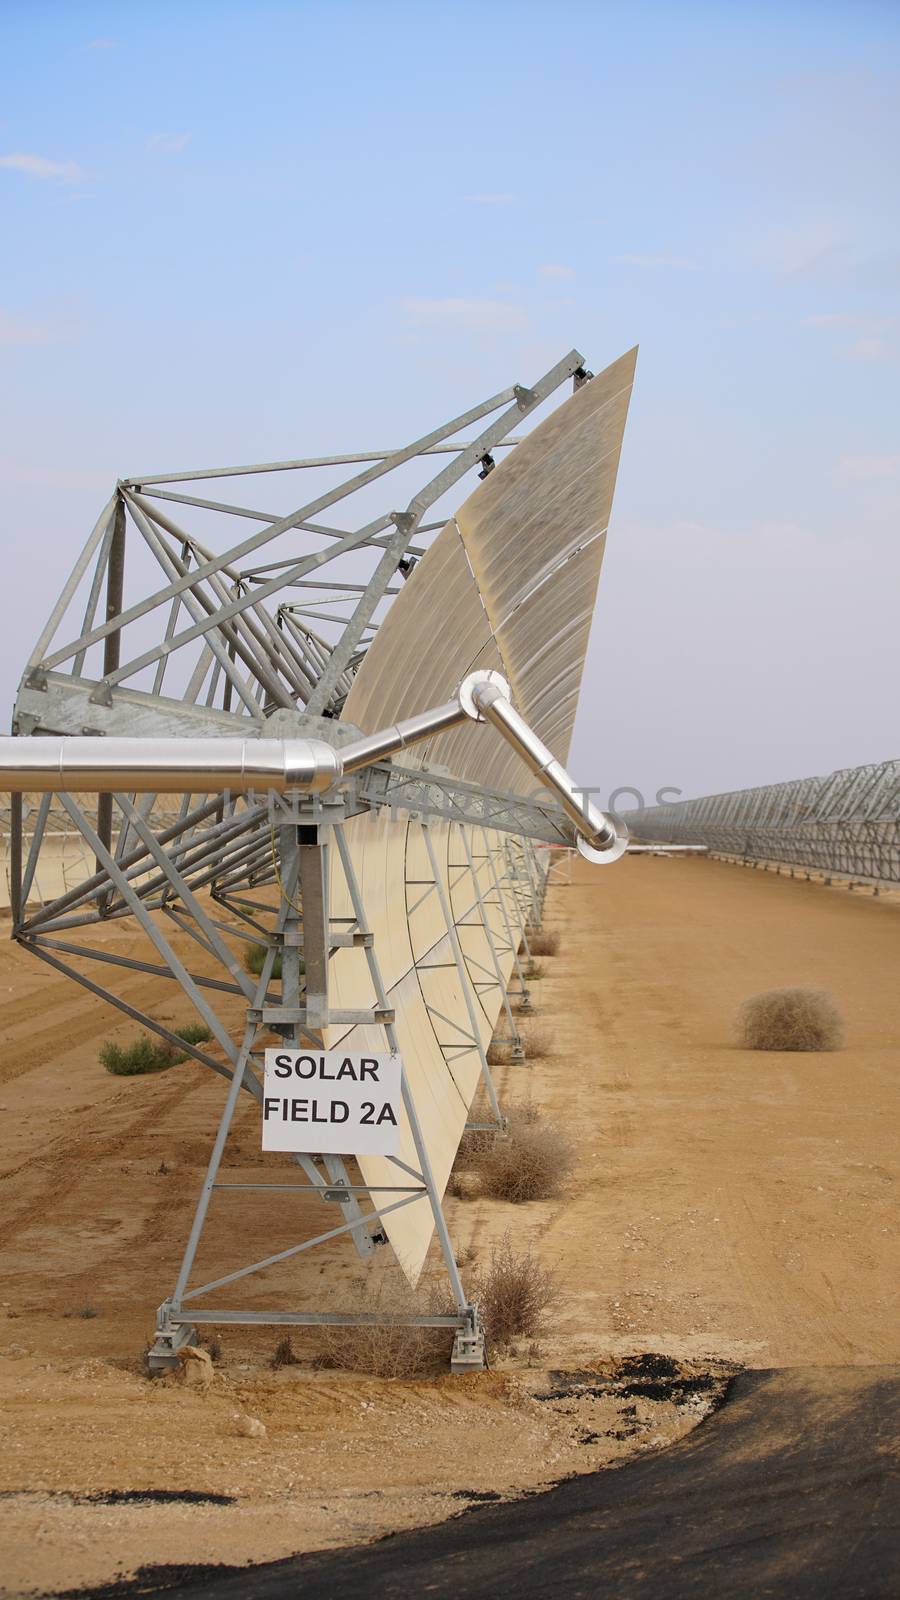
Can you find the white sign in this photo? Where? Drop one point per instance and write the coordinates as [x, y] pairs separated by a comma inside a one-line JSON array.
[[332, 1101]]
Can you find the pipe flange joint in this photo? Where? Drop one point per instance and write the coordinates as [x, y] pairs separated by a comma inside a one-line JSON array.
[[604, 858], [469, 684]]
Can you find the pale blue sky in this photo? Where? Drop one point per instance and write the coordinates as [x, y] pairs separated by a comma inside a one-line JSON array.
[[237, 232]]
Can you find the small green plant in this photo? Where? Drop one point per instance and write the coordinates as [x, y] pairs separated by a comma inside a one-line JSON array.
[[255, 955], [193, 1033], [128, 1060], [149, 1055]]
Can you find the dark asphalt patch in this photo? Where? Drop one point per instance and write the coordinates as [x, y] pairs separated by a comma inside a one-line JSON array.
[[159, 1497], [481, 1496], [125, 1497], [791, 1491], [646, 1377]]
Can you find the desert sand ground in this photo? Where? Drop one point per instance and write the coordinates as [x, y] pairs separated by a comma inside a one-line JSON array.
[[729, 1208]]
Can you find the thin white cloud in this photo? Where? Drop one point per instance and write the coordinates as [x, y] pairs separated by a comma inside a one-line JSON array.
[[489, 199], [874, 335], [169, 143], [473, 315], [41, 167], [14, 331], [665, 263], [794, 249], [868, 468], [850, 319], [872, 349], [831, 319], [554, 269], [101, 44]]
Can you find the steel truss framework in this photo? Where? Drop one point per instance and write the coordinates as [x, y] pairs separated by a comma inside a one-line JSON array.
[[224, 643], [848, 823]]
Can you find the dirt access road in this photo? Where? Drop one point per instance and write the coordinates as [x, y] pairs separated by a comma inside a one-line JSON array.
[[727, 1207], [734, 1201]]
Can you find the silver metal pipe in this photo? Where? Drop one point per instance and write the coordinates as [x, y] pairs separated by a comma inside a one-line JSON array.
[[375, 746], [95, 765], [486, 697], [98, 765], [165, 766]]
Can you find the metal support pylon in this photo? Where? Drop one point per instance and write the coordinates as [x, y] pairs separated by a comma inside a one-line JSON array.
[[520, 896], [499, 1121], [845, 824], [560, 869], [513, 941], [220, 642], [514, 1038], [468, 1347], [302, 833], [533, 881]]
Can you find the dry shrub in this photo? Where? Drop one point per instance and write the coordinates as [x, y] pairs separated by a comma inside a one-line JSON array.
[[498, 1053], [537, 1041], [476, 1144], [544, 942], [391, 1348], [283, 1354], [531, 1163], [522, 1114], [473, 1146], [790, 1019], [513, 1293], [535, 971]]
